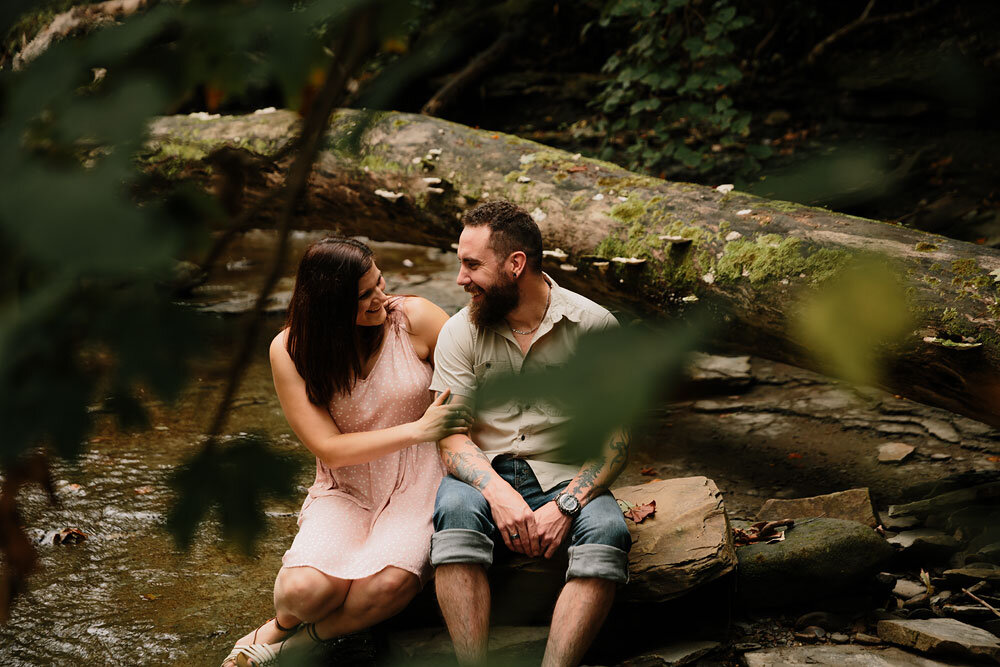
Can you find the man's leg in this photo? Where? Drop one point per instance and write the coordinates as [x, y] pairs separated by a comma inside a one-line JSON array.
[[580, 611], [461, 550], [463, 593], [598, 561]]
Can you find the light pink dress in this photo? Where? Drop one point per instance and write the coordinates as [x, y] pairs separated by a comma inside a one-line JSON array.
[[358, 519]]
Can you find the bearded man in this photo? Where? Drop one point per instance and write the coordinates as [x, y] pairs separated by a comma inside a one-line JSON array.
[[511, 480]]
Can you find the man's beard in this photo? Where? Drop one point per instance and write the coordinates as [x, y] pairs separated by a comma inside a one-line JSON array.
[[497, 301]]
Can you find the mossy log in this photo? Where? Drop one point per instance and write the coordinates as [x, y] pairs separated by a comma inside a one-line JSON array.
[[629, 241]]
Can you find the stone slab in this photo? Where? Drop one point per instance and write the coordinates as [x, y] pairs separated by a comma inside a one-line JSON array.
[[895, 452], [686, 543], [852, 505], [674, 655], [945, 636], [837, 656]]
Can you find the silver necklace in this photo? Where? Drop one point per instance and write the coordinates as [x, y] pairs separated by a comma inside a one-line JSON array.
[[548, 300]]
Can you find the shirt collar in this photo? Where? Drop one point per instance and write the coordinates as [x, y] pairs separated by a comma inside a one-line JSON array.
[[560, 306]]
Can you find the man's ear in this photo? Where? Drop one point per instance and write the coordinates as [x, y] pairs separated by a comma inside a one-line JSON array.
[[517, 263]]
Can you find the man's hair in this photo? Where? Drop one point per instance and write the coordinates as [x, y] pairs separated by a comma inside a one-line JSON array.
[[511, 229]]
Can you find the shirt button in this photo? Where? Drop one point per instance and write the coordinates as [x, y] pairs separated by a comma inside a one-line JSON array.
[[522, 437]]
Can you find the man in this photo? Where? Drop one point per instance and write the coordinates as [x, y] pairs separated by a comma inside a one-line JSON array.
[[511, 479]]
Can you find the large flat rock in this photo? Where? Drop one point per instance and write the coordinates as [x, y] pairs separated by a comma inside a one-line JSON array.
[[819, 559], [837, 656], [688, 542], [945, 636], [851, 505], [673, 655]]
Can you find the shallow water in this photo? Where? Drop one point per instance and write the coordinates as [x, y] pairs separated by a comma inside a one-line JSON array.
[[126, 595]]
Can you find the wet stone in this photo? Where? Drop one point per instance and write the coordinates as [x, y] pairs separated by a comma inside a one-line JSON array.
[[925, 543], [839, 638], [870, 640]]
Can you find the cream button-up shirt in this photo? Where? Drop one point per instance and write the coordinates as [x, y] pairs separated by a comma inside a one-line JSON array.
[[466, 356]]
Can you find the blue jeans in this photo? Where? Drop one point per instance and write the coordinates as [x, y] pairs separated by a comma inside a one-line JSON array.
[[464, 531]]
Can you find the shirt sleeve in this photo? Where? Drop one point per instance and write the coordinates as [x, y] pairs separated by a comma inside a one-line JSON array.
[[453, 359]]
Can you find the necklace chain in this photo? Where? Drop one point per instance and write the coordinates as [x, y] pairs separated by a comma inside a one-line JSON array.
[[548, 300]]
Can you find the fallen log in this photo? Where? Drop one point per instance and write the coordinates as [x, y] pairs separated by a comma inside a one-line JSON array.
[[626, 240]]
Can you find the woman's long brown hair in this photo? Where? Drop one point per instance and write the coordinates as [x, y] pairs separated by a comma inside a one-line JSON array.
[[324, 340]]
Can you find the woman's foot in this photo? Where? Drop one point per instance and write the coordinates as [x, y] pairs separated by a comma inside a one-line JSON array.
[[269, 633]]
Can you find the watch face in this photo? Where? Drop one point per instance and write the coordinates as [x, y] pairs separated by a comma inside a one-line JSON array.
[[568, 503]]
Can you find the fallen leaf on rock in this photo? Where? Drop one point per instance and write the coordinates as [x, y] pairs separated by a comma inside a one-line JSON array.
[[993, 459], [69, 536], [649, 472], [762, 531], [794, 455], [149, 596], [640, 513], [143, 490], [573, 170]]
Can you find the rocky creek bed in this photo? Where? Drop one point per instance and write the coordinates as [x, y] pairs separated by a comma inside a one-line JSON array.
[[834, 591]]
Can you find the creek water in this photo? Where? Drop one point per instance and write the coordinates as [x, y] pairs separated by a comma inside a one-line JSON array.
[[126, 595]]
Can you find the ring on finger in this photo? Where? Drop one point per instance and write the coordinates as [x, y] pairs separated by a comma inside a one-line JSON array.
[[514, 536]]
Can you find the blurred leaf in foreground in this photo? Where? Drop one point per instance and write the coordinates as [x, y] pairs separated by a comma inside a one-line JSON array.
[[612, 380], [853, 321], [233, 478]]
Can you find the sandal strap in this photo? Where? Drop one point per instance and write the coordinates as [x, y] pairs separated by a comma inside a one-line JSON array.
[[283, 628], [261, 654]]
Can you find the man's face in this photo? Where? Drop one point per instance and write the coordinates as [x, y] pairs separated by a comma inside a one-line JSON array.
[[491, 284]]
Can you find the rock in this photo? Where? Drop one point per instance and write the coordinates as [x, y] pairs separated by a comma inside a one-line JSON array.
[[822, 558], [688, 542], [839, 638], [838, 656], [968, 612], [899, 523], [941, 636], [674, 655], [720, 372], [989, 553], [895, 452], [433, 645], [906, 589], [925, 544], [870, 640], [973, 573], [951, 500], [941, 430], [940, 456], [852, 505], [822, 619]]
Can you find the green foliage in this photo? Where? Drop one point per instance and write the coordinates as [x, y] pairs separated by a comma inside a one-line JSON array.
[[233, 480], [670, 89], [853, 323], [612, 380]]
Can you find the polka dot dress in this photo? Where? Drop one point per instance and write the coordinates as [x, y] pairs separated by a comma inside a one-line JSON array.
[[358, 519]]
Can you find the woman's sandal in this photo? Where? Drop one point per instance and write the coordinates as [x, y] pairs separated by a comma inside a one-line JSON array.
[[252, 649]]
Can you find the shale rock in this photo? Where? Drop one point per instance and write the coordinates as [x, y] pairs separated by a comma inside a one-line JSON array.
[[674, 655], [841, 656], [944, 636], [852, 505]]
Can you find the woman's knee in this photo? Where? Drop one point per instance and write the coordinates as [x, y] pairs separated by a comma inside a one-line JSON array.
[[308, 593], [391, 588]]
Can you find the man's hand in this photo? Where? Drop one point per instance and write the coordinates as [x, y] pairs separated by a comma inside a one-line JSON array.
[[553, 526], [512, 517]]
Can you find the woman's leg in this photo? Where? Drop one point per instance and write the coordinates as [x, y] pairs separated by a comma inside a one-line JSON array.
[[369, 601], [300, 594]]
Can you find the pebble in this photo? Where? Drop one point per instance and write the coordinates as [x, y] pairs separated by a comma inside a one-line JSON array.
[[839, 638], [862, 638]]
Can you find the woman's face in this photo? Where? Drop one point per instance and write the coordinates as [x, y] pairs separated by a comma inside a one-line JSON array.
[[371, 298]]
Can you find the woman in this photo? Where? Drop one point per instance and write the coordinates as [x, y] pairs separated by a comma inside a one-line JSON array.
[[352, 371]]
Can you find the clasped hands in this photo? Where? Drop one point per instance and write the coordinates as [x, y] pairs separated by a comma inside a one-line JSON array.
[[538, 533]]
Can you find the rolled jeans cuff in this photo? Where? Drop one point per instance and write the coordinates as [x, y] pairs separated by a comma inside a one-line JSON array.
[[599, 561], [460, 545]]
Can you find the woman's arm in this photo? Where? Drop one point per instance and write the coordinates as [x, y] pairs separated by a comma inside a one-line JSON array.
[[316, 429]]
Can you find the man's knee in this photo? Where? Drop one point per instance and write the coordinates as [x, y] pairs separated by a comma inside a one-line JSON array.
[[460, 506], [462, 525], [600, 542]]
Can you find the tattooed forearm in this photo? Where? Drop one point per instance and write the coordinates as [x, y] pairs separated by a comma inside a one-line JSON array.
[[597, 475], [469, 465]]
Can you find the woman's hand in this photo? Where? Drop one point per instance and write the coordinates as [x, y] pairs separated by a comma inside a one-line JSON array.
[[440, 420]]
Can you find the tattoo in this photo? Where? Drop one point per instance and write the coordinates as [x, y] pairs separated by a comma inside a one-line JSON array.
[[472, 466], [599, 474]]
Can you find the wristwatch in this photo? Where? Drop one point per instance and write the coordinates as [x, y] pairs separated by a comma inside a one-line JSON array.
[[567, 504]]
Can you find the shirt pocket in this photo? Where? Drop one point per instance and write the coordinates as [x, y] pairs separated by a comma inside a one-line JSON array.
[[491, 370]]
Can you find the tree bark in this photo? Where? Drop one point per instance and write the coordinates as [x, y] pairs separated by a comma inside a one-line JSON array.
[[626, 240]]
